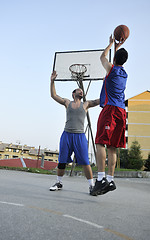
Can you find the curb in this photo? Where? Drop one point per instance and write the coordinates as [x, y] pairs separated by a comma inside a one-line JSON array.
[[119, 174]]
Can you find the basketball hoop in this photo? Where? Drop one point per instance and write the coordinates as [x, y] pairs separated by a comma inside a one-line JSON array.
[[77, 71]]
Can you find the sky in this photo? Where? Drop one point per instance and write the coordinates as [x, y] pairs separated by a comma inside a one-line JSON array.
[[32, 31]]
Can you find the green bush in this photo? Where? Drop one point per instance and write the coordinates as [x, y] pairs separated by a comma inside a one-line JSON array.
[[147, 163], [135, 163], [123, 158], [135, 157]]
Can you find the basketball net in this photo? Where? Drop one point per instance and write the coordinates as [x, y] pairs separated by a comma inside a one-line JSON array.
[[77, 71]]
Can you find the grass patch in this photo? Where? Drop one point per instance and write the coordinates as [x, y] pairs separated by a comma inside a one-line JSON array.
[[54, 171], [32, 170]]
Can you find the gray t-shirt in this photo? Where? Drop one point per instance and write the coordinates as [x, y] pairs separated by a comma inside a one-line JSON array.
[[75, 119]]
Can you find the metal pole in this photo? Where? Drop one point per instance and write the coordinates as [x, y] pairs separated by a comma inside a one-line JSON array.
[[38, 157]]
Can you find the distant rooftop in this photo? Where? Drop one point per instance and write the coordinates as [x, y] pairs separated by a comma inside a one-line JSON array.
[[32, 150]]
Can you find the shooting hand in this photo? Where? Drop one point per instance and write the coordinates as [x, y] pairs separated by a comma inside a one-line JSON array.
[[111, 39], [118, 44]]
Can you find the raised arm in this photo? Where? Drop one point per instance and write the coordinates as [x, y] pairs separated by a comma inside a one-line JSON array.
[[106, 64], [57, 98]]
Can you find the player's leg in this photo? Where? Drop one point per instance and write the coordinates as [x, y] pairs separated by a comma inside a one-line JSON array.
[[61, 169], [117, 139], [101, 181], [100, 160], [104, 185], [89, 176], [65, 151], [81, 152], [102, 137], [112, 158], [60, 173], [87, 171]]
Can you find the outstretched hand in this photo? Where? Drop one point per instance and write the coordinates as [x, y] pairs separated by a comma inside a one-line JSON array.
[[53, 76], [111, 39]]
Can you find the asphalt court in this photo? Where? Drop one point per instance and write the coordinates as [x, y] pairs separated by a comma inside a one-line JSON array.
[[30, 211]]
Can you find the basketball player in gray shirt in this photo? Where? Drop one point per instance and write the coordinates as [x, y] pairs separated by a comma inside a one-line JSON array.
[[73, 138]]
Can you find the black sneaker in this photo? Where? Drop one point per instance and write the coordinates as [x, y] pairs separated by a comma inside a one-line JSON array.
[[99, 186], [110, 187], [56, 186], [90, 188]]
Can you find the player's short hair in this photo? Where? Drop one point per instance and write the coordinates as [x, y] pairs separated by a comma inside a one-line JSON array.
[[73, 92], [121, 56]]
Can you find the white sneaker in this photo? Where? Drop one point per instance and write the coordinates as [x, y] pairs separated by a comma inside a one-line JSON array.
[[56, 186]]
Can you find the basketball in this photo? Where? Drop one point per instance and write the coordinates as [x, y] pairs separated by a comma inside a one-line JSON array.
[[121, 32]]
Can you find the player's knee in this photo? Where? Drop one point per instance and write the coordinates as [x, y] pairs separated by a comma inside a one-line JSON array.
[[61, 165]]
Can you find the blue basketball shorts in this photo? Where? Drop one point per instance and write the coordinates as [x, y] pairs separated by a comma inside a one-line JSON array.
[[73, 142]]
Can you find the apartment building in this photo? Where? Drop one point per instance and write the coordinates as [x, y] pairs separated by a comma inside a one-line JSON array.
[[8, 151], [138, 122]]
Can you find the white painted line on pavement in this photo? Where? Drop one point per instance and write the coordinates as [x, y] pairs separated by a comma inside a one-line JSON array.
[[98, 226], [15, 204], [84, 221], [74, 218]]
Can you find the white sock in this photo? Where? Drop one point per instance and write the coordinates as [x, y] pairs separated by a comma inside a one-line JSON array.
[[59, 179], [91, 182], [101, 175], [110, 178]]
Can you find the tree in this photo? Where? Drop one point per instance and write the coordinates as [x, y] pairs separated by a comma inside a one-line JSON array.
[[147, 163], [123, 158], [135, 157]]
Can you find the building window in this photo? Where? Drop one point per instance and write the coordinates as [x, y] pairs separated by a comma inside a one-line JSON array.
[[0, 156], [25, 151], [14, 150], [49, 154], [15, 156], [6, 156]]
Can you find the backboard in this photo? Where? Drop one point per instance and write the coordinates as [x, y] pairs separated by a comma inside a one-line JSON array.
[[89, 58]]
